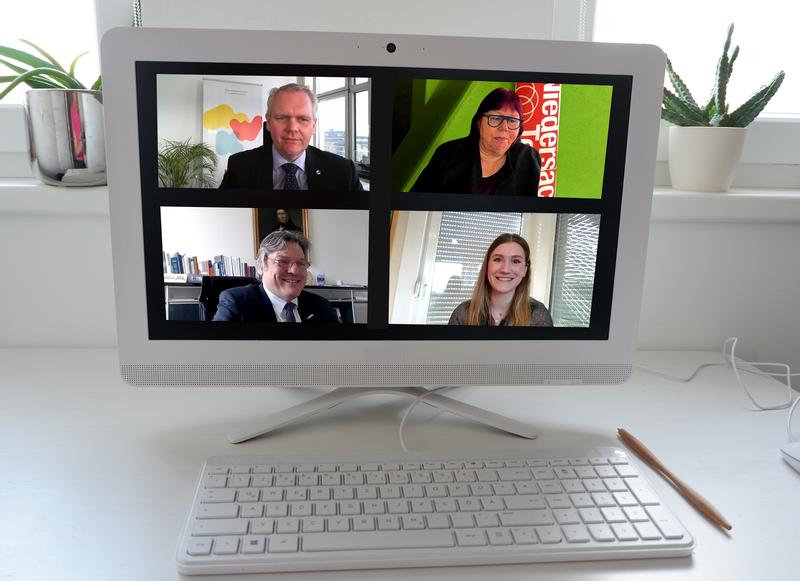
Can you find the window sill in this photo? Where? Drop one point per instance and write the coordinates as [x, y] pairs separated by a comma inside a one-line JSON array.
[[28, 196], [744, 205]]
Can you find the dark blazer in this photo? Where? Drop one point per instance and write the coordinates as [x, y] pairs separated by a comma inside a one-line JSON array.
[[326, 171], [455, 168], [251, 303]]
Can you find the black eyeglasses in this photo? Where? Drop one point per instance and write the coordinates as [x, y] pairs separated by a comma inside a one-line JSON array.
[[495, 121]]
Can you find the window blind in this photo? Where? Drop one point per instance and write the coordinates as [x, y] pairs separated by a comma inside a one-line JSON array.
[[463, 240], [573, 269]]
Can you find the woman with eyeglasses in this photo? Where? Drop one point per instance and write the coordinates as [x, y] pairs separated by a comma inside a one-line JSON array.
[[502, 293], [491, 160]]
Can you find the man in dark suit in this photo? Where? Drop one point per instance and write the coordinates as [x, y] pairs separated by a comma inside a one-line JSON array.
[[282, 264], [286, 161]]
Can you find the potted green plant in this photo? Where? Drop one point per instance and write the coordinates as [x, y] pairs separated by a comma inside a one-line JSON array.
[[182, 164], [64, 117], [706, 142]]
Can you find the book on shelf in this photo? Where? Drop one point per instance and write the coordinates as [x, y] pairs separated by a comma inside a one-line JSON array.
[[219, 265]]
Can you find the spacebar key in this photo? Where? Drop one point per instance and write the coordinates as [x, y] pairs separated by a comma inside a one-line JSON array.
[[383, 540]]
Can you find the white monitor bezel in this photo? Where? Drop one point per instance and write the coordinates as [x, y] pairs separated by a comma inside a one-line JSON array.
[[390, 362]]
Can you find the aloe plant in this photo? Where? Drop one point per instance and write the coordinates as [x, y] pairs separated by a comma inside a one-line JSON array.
[[681, 109], [182, 164], [39, 73]]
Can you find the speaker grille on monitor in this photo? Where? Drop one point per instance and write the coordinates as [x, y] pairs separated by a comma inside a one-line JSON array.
[[372, 375]]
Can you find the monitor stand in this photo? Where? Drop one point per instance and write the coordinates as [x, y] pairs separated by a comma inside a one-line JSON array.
[[339, 395]]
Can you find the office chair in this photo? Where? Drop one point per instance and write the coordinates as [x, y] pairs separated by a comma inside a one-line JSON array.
[[212, 286]]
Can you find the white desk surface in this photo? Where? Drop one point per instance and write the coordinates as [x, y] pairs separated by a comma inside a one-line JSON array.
[[96, 476]]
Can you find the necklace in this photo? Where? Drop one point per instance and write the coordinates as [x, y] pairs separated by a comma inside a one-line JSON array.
[[498, 316]]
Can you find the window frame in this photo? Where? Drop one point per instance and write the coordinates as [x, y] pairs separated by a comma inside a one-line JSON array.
[[771, 141], [349, 91]]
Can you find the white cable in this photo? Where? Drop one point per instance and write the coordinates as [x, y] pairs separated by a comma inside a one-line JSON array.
[[413, 404], [787, 373], [683, 379]]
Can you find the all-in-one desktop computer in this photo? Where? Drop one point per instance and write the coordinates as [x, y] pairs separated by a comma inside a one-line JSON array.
[[414, 234]]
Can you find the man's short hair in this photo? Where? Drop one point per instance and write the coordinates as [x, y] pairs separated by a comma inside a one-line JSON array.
[[291, 87], [275, 241]]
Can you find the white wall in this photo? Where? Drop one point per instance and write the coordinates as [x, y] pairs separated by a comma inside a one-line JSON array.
[[339, 247], [207, 232]]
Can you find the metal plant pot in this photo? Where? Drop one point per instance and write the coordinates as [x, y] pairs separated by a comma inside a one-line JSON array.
[[68, 146]]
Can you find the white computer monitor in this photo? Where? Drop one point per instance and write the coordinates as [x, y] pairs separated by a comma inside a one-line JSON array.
[[397, 246]]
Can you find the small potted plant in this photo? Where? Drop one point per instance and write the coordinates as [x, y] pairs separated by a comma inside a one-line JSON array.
[[182, 164], [706, 142], [65, 118]]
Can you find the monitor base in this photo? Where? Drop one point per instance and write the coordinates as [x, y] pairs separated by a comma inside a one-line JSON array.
[[339, 395]]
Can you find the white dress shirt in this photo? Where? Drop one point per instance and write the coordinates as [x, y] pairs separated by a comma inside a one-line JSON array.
[[278, 303], [278, 174]]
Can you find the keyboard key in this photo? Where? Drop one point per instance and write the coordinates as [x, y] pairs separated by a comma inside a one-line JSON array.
[[601, 533], [413, 522], [226, 545], [524, 502], [312, 524], [285, 543], [339, 524], [218, 481], [287, 525], [625, 532], [591, 515], [486, 519], [566, 516], [462, 520], [470, 538], [365, 523], [642, 491], [524, 535], [549, 535], [499, 536], [389, 522], [214, 527], [218, 495], [665, 523], [262, 526], [525, 518], [647, 531], [438, 521], [373, 541], [251, 510], [247, 495], [635, 513], [575, 534], [220, 510], [198, 547], [253, 545], [613, 514]]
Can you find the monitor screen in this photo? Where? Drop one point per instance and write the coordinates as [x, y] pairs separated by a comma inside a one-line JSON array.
[[425, 215]]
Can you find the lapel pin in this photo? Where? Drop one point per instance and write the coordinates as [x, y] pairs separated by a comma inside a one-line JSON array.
[[318, 172]]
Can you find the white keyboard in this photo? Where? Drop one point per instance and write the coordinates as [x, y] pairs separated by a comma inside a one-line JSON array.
[[269, 513]]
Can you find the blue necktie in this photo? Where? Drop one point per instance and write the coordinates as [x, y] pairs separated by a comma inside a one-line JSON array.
[[288, 312], [290, 181]]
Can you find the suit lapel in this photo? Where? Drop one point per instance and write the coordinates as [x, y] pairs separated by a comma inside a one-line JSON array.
[[265, 306], [307, 314], [313, 170], [264, 170]]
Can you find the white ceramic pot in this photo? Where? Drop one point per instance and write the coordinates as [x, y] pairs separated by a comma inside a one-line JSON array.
[[704, 159]]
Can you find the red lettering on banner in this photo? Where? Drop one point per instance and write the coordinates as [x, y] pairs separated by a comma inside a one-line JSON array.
[[541, 110]]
